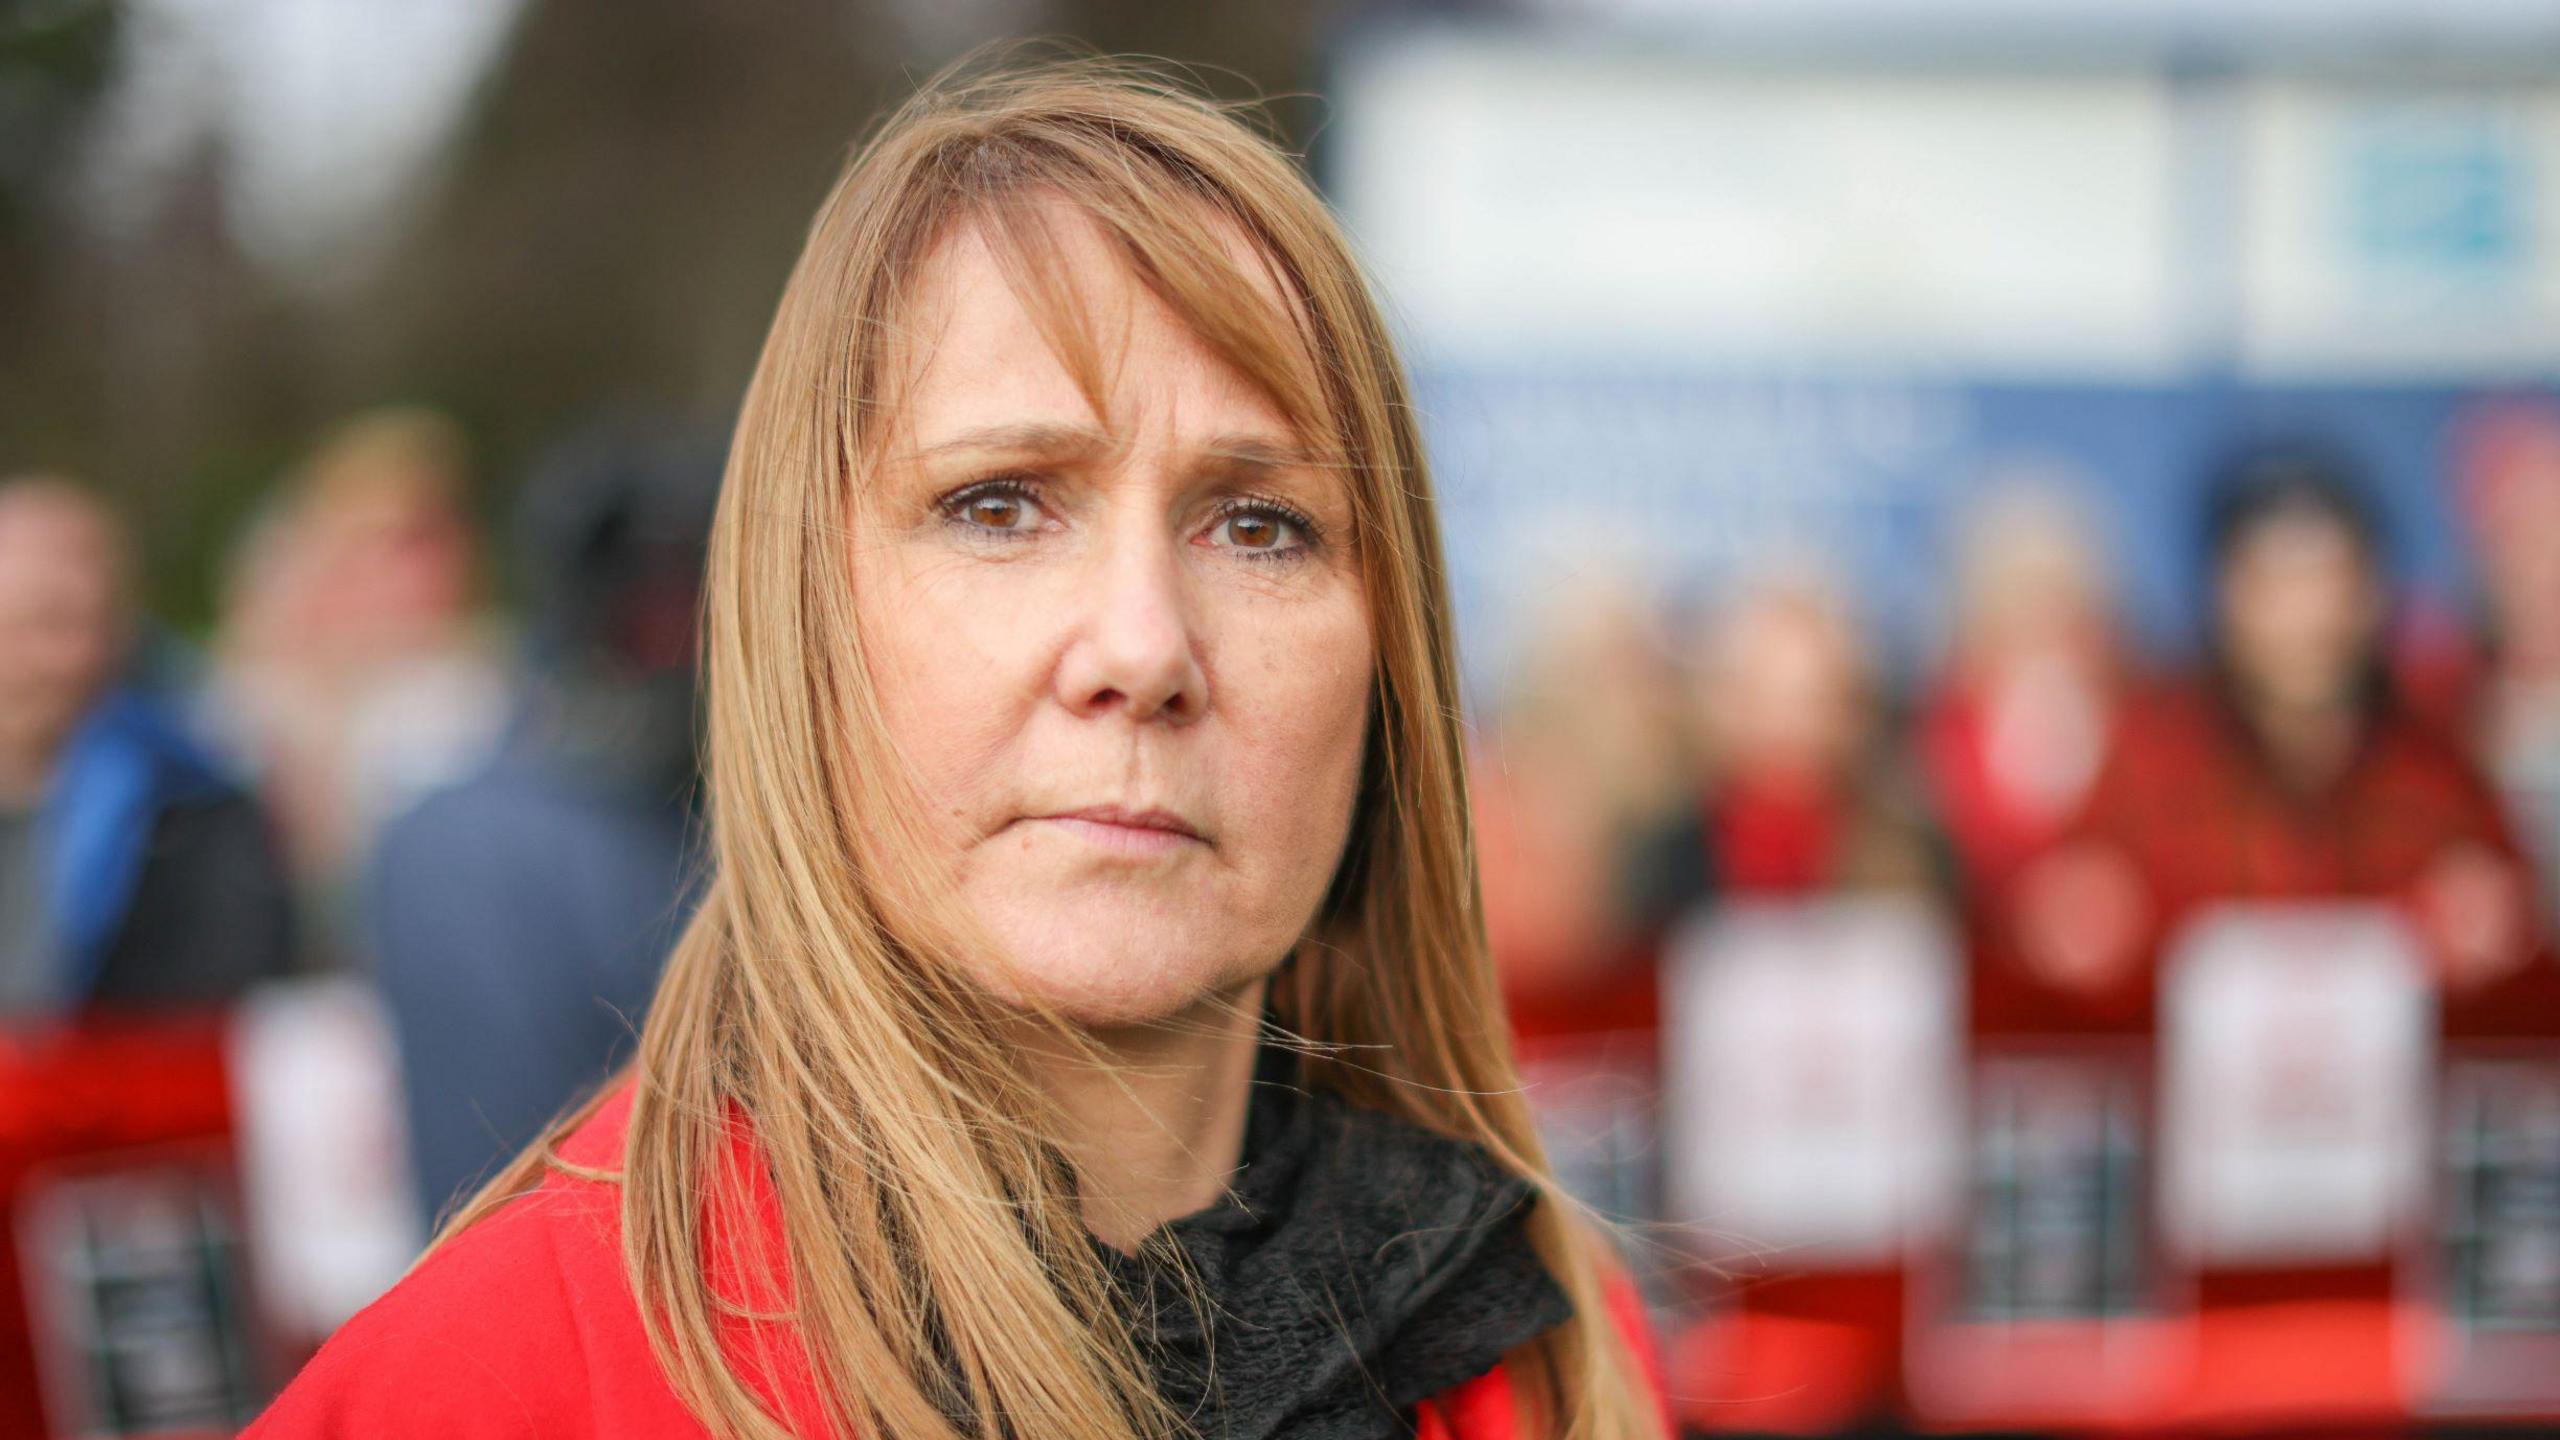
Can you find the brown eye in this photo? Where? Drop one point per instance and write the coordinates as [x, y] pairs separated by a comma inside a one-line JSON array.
[[1259, 533], [996, 507]]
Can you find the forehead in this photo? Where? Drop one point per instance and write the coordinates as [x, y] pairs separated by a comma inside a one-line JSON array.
[[51, 556], [988, 348], [39, 528], [2299, 537]]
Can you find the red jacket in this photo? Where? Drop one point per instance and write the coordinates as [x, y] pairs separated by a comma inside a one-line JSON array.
[[525, 1327], [2203, 818], [2188, 800]]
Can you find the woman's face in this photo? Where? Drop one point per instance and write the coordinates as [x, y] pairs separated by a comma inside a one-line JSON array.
[[1781, 692], [1125, 655], [2301, 607]]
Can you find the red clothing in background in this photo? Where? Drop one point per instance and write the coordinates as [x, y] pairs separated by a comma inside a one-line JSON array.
[[2188, 798], [1995, 821], [1571, 965], [525, 1327], [1792, 1349], [97, 1098], [2204, 818], [1775, 838]]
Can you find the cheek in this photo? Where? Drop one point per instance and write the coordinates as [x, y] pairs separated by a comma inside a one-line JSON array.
[[1296, 695], [949, 662]]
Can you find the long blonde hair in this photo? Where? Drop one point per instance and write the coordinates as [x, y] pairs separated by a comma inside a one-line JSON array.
[[939, 1282]]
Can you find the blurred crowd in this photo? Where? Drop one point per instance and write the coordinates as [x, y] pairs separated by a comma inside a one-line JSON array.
[[2064, 796], [350, 898], [1643, 759], [1784, 924], [472, 818]]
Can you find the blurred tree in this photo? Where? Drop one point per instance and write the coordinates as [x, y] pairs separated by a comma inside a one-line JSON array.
[[607, 231], [139, 350], [1236, 49], [54, 72], [618, 215]]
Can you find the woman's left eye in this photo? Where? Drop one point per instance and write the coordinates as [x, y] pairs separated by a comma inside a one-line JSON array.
[[1005, 507], [1259, 531]]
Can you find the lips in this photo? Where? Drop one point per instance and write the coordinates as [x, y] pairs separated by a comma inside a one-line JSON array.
[[1159, 820]]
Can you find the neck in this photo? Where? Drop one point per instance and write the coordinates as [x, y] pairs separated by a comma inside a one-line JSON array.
[[2310, 744], [1156, 1116]]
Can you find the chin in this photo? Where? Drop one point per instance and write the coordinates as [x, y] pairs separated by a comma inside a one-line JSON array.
[[1108, 967]]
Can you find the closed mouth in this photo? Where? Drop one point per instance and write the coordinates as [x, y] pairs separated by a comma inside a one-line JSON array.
[[1123, 817]]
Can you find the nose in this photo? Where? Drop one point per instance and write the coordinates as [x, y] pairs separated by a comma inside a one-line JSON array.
[[1137, 648]]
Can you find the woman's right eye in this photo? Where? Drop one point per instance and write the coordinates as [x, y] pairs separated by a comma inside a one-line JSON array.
[[1003, 507]]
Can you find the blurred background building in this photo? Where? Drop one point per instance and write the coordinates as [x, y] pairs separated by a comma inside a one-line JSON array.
[[2008, 556]]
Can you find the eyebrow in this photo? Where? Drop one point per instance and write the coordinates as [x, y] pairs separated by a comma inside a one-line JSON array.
[[1243, 452], [1036, 437], [1252, 452]]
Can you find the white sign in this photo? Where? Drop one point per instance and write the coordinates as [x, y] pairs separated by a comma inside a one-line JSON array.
[[1811, 1054], [2297, 1043], [1524, 199], [324, 1159], [2399, 229]]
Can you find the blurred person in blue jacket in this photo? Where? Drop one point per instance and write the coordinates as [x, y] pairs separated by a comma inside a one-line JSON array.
[[133, 876], [519, 918]]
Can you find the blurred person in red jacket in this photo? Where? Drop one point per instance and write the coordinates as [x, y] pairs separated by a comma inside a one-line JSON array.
[[132, 875], [1086, 1032], [2024, 712], [1587, 847], [1584, 792], [1805, 802], [2291, 772], [2506, 468], [1804, 793]]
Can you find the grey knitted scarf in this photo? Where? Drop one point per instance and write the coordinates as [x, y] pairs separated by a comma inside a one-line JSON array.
[[1360, 1265]]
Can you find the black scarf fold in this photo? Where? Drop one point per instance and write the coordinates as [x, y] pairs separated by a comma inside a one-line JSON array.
[[1361, 1265]]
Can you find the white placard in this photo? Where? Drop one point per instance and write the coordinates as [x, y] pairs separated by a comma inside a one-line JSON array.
[[2296, 1048], [1811, 1054], [324, 1159]]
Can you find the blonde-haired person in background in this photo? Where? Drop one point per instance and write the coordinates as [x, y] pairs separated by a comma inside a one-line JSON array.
[[353, 675], [1087, 1031]]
